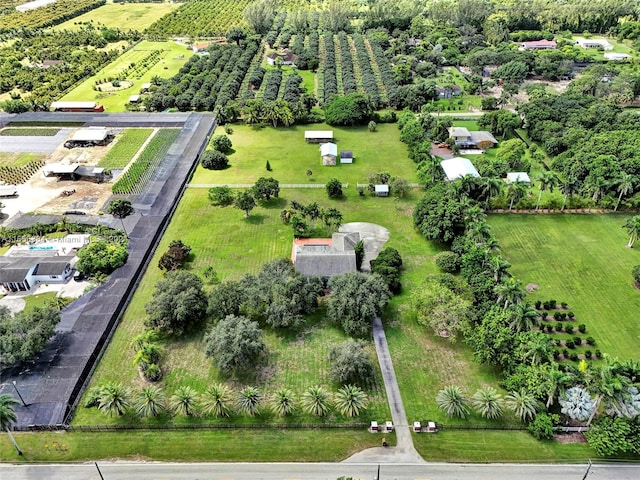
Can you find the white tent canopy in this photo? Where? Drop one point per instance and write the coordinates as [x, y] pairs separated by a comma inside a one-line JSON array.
[[458, 167]]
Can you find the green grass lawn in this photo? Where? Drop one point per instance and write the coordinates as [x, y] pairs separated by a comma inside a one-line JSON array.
[[191, 446], [19, 159], [168, 66], [29, 132], [115, 15], [290, 156], [126, 146], [581, 260]]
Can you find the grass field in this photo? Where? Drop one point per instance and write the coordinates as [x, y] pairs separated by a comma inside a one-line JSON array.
[[173, 57], [29, 132], [581, 260], [115, 15], [191, 446], [127, 145], [290, 156], [19, 159]]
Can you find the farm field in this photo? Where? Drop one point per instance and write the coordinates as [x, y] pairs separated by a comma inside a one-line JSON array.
[[189, 446], [116, 15], [290, 156], [19, 159], [581, 260], [128, 144], [172, 57]]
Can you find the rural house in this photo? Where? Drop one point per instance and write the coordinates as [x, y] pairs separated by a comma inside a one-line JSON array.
[[21, 273], [325, 257], [466, 139]]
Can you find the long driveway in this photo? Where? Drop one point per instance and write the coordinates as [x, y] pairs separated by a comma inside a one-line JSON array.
[[404, 451]]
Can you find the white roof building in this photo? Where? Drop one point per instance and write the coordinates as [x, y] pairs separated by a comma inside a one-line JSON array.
[[458, 167], [90, 135], [329, 150], [515, 177], [58, 105], [593, 43], [318, 135], [616, 56]]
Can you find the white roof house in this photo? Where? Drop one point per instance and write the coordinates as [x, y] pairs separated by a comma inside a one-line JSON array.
[[616, 56], [318, 135], [90, 135], [515, 177], [134, 98], [458, 167], [329, 150], [593, 43]]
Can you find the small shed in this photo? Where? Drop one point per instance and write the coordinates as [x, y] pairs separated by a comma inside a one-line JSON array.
[[134, 98], [8, 191], [417, 427], [145, 87], [382, 190], [318, 136], [329, 153], [458, 167], [346, 156], [518, 177]]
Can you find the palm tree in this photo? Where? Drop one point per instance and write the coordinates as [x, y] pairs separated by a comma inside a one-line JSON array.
[[217, 400], [523, 404], [452, 401], [625, 186], [538, 348], [548, 180], [474, 215], [114, 399], [490, 187], [499, 267], [316, 401], [283, 402], [523, 317], [607, 386], [184, 400], [8, 416], [569, 188], [509, 291], [633, 228], [149, 402], [488, 402], [515, 191], [552, 381], [350, 401], [595, 186], [249, 400]]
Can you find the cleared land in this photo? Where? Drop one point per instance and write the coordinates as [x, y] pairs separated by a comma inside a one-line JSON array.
[[127, 145], [290, 156], [581, 260], [115, 15], [173, 56]]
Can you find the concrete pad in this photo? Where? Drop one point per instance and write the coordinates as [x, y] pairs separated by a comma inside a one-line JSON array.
[[33, 144], [373, 237], [14, 304]]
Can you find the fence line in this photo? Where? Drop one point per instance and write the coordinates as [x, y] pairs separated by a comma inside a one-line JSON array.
[[366, 185], [249, 185]]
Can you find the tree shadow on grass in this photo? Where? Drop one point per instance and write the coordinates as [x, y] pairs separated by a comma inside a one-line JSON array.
[[274, 203], [255, 219]]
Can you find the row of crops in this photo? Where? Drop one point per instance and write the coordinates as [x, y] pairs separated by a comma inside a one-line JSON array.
[[134, 179], [47, 16], [16, 175], [201, 18], [207, 82], [125, 148]]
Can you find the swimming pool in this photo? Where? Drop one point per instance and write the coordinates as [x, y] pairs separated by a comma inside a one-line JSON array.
[[41, 247]]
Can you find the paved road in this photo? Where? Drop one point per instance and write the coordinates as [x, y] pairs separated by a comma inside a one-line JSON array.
[[404, 451], [315, 471]]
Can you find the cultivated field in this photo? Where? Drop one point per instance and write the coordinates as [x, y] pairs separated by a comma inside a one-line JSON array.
[[290, 156], [123, 16], [172, 57], [581, 260]]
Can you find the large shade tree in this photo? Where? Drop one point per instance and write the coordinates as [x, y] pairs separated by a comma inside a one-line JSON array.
[[235, 343]]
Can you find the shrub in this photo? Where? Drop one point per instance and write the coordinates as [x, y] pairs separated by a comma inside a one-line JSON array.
[[350, 363], [559, 327], [569, 344], [556, 354], [577, 341], [538, 304], [571, 315], [546, 305], [448, 262], [542, 426], [372, 126], [588, 354], [574, 357], [565, 305], [557, 316], [635, 272], [569, 329], [598, 354], [222, 143], [221, 196], [549, 328], [334, 188], [552, 304], [591, 341], [214, 160], [565, 353], [582, 328], [152, 372], [563, 316]]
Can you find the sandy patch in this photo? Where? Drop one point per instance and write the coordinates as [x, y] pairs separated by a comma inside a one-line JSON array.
[[14, 304]]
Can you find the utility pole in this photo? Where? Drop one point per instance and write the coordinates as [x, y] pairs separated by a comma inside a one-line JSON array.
[[15, 386]]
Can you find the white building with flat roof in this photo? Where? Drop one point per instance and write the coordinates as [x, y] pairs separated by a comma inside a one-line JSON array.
[[458, 167]]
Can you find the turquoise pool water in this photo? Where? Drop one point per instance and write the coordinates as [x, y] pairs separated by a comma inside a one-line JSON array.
[[41, 247]]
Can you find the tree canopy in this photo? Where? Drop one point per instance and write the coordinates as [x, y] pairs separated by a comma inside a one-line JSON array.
[[235, 343], [24, 335]]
